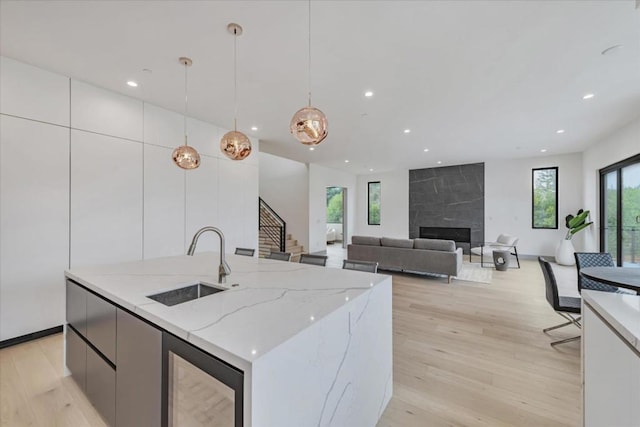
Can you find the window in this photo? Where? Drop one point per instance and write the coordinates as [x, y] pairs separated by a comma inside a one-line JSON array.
[[545, 198], [373, 205]]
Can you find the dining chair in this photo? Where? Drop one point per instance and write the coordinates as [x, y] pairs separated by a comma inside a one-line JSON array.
[[280, 256], [367, 266], [594, 259], [567, 307], [313, 259], [245, 251]]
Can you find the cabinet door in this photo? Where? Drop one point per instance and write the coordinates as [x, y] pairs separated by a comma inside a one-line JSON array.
[[203, 203], [101, 325], [76, 357], [139, 373], [106, 199], [101, 386], [34, 225], [77, 307], [238, 200]]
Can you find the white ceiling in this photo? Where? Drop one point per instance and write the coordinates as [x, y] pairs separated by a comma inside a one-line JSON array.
[[473, 80]]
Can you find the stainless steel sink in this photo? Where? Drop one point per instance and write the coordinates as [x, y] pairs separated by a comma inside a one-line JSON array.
[[184, 294]]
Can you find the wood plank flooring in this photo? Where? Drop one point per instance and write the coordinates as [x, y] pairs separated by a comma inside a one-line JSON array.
[[465, 354]]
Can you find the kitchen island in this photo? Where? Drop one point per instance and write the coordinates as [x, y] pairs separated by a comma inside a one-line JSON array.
[[311, 346]]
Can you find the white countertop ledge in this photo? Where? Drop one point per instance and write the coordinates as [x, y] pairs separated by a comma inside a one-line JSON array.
[[620, 311], [274, 300]]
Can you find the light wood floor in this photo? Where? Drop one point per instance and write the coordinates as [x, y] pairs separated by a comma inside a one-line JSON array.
[[465, 354]]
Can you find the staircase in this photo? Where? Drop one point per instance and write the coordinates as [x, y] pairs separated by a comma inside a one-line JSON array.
[[273, 234]]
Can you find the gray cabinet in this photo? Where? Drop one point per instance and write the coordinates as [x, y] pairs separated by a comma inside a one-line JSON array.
[[76, 351], [139, 372], [77, 307], [101, 325], [101, 386]]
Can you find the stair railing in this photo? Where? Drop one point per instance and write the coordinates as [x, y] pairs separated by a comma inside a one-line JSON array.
[[272, 225]]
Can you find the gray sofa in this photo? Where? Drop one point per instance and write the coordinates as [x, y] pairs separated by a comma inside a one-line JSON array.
[[412, 255]]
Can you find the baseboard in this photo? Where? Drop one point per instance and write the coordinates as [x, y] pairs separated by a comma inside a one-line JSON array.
[[30, 337]]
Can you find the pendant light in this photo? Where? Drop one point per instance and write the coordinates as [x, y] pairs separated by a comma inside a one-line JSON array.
[[309, 125], [184, 156], [235, 145]]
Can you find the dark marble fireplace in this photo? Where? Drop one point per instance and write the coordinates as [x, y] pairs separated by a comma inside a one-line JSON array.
[[448, 202]]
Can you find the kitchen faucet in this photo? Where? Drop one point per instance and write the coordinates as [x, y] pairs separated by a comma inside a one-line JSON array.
[[223, 269]]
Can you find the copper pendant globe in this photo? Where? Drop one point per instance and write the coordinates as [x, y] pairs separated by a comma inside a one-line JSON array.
[[235, 145], [309, 126], [186, 157]]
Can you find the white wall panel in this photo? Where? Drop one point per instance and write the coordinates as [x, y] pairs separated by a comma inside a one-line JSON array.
[[164, 190], [163, 127], [106, 199], [33, 93], [106, 112], [238, 204], [205, 137], [34, 225], [202, 203]]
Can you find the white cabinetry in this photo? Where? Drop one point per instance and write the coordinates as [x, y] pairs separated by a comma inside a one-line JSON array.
[[611, 369], [202, 203], [101, 111], [34, 219], [106, 199], [164, 182], [33, 93], [238, 212]]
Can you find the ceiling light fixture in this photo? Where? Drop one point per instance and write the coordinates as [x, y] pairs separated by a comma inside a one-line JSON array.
[[346, 161], [309, 125], [426, 150], [560, 131], [407, 131], [588, 96], [235, 145], [311, 148], [184, 156], [254, 128], [132, 83], [370, 169], [439, 162], [368, 94], [544, 150]]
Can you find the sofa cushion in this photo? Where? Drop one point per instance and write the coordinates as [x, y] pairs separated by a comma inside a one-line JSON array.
[[365, 240], [397, 243], [435, 244]]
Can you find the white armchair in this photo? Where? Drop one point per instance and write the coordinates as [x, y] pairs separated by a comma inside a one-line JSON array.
[[504, 242], [331, 235]]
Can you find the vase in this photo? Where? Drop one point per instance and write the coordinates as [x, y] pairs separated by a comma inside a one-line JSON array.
[[564, 253]]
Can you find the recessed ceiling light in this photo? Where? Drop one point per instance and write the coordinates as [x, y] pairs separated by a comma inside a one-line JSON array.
[[407, 131], [425, 150], [346, 161], [254, 127], [560, 131], [368, 94], [611, 49], [439, 162], [370, 169], [588, 96], [544, 150], [132, 83], [311, 148]]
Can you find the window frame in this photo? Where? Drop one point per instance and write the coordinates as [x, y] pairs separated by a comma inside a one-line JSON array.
[[533, 183], [369, 202]]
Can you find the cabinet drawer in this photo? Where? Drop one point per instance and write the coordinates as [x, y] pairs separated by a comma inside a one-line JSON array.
[[76, 352], [101, 325], [77, 307], [101, 386]]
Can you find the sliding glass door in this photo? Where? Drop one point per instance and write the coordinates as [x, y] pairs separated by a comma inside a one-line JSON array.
[[620, 211]]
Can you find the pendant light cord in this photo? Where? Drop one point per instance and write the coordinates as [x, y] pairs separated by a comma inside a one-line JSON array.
[[235, 79], [309, 82], [186, 102]]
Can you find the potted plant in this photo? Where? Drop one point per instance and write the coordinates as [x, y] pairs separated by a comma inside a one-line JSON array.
[[565, 250]]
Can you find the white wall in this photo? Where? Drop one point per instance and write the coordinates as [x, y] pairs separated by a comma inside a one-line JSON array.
[[621, 145], [394, 205], [507, 201], [284, 185], [86, 177], [320, 178]]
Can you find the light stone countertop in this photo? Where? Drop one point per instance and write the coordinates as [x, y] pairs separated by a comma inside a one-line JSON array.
[[621, 311], [274, 301]]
